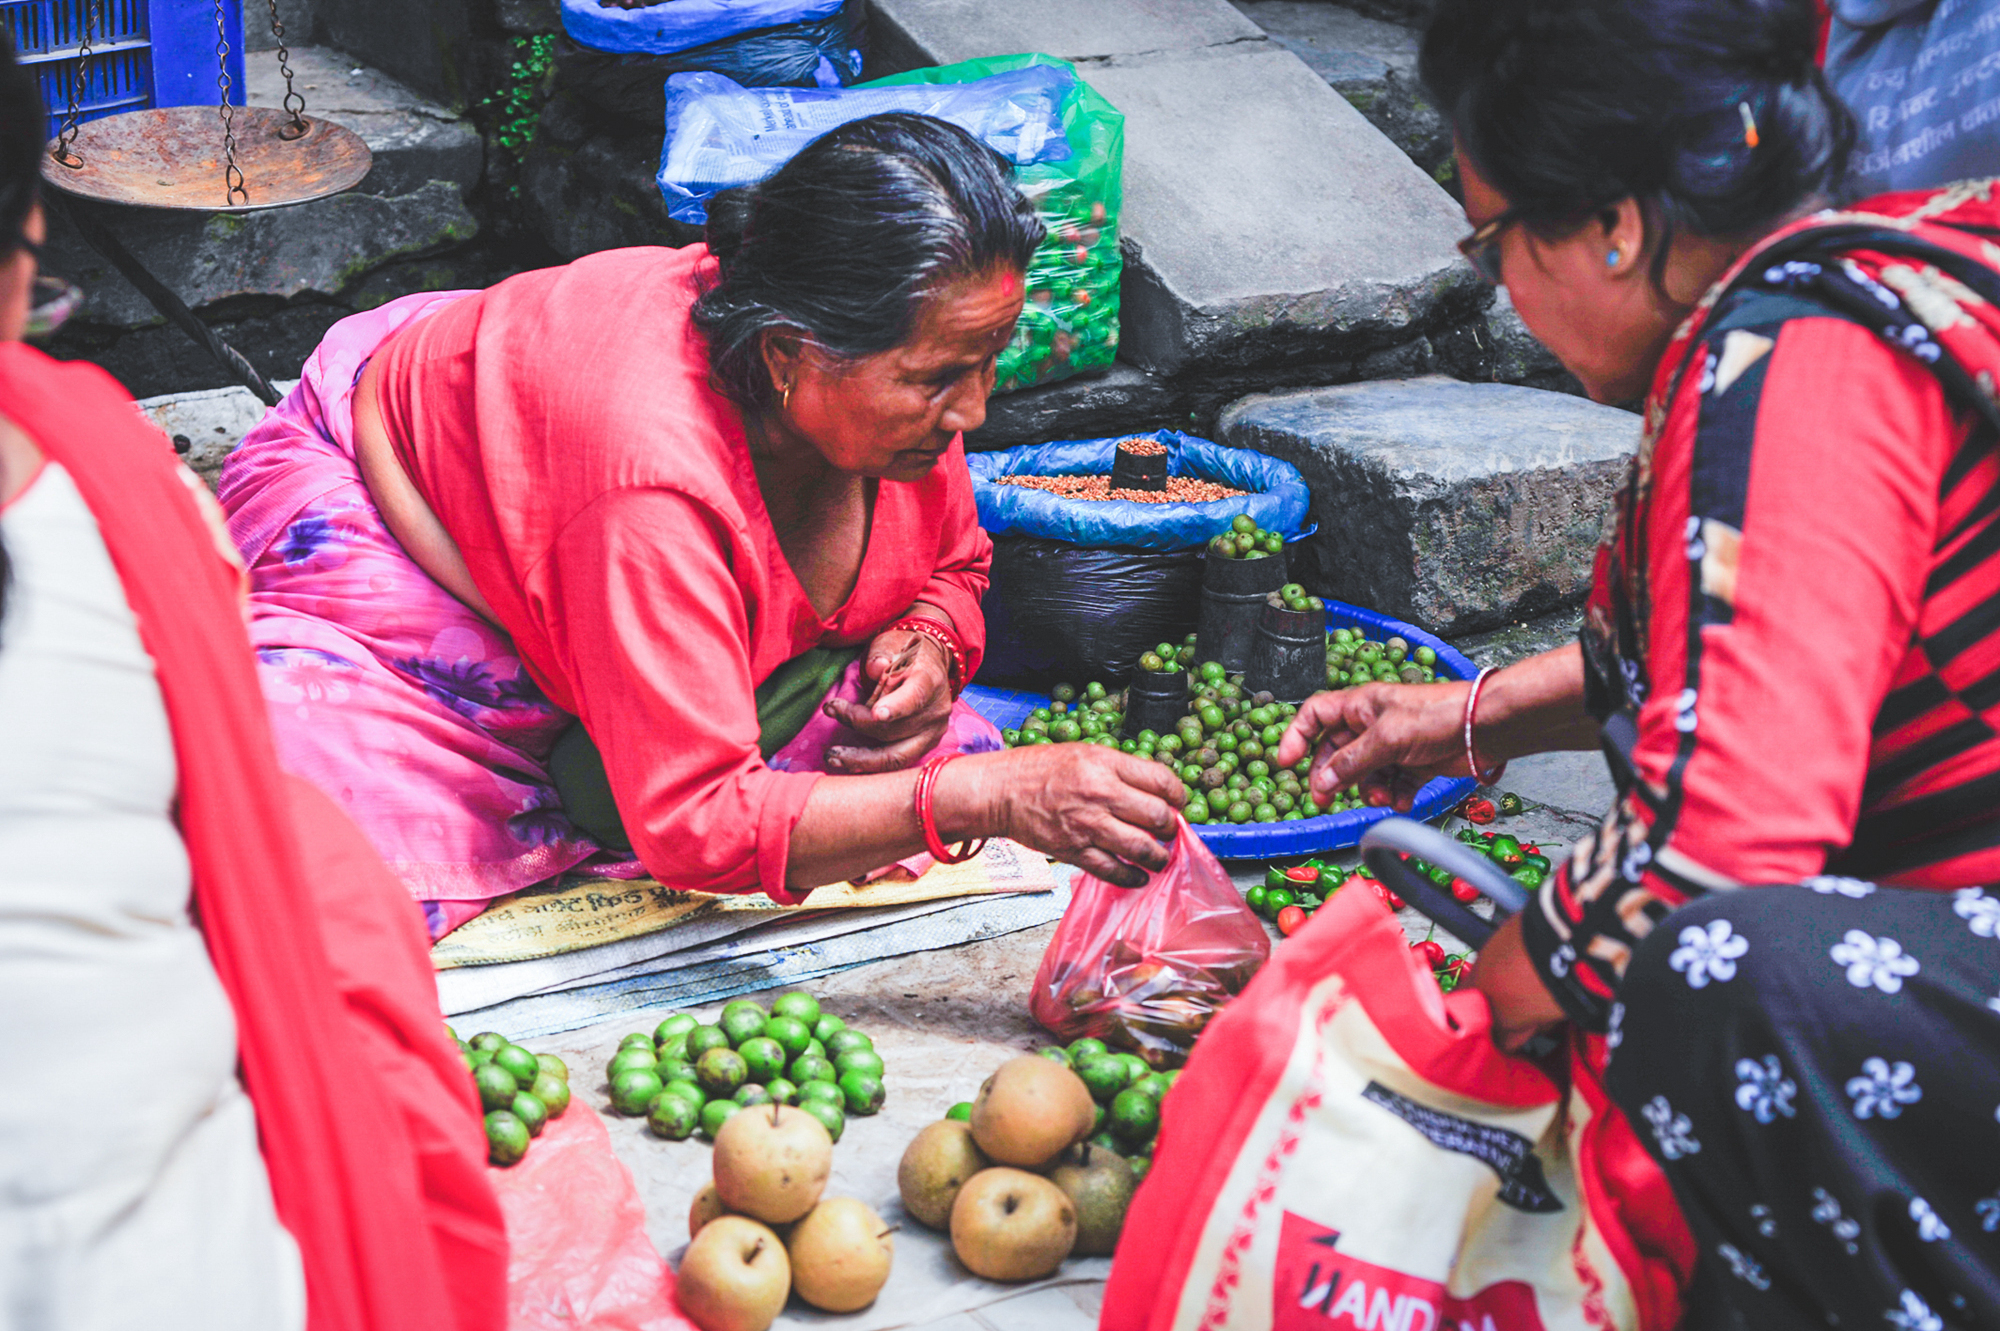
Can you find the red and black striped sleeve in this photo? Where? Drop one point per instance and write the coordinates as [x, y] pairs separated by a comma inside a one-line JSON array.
[[1788, 536]]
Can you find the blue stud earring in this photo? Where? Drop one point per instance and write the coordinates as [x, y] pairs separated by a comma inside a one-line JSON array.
[[1611, 259]]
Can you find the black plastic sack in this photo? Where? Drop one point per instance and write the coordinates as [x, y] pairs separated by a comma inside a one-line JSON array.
[[821, 53], [1081, 590]]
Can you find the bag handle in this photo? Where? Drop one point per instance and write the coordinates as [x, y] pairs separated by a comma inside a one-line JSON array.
[[1383, 848]]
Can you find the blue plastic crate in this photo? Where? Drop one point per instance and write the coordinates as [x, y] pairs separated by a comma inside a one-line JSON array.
[[142, 53]]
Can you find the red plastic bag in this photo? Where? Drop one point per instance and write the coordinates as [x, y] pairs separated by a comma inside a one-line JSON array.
[[1144, 969], [577, 1233]]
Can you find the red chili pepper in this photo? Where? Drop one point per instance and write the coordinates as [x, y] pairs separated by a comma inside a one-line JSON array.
[[1389, 898], [1303, 873], [1458, 967], [1289, 920], [1463, 890], [1530, 848], [1478, 811], [1430, 951]]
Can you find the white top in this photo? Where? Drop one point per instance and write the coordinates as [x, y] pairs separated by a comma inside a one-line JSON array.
[[132, 1190]]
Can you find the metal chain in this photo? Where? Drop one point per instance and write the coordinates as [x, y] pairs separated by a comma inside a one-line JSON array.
[[63, 153], [232, 177], [299, 123]]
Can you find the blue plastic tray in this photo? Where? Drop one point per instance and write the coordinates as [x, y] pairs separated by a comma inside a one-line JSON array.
[[1007, 708]]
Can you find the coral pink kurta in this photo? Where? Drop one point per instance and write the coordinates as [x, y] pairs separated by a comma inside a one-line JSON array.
[[562, 426]]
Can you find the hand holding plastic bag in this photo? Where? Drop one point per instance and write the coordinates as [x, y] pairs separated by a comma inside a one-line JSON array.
[[1145, 969]]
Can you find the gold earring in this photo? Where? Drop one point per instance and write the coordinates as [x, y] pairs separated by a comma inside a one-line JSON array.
[[785, 398]]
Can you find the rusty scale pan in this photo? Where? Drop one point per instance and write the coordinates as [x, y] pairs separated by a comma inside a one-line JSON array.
[[175, 157]]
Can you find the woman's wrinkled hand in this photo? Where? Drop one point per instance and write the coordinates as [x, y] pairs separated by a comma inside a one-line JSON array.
[[1387, 738], [907, 713], [1108, 813]]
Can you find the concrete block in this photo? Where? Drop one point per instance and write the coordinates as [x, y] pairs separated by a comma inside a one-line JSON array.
[[206, 426], [320, 248], [1457, 506], [1122, 399], [908, 33], [1265, 219], [414, 140], [588, 185], [1371, 63]]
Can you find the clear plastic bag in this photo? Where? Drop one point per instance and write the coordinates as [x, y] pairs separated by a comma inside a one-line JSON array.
[[1145, 969]]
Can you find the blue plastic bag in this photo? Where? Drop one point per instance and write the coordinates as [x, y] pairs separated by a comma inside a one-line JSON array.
[[721, 135], [677, 25], [1278, 498]]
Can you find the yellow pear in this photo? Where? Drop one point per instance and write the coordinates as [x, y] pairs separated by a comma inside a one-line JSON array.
[[841, 1252], [735, 1276]]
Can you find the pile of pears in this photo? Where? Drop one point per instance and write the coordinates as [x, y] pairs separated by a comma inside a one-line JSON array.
[[1016, 1183], [764, 1230]]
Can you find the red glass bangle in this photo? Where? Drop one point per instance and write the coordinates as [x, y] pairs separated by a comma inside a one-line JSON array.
[[940, 633], [926, 818]]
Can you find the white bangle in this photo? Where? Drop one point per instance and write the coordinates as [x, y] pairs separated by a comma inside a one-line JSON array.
[[1488, 777]]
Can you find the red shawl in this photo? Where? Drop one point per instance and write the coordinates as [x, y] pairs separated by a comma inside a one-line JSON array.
[[369, 1125]]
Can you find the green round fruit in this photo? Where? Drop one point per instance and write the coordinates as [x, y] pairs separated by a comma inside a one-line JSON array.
[[552, 1092], [1135, 1117], [744, 1005], [790, 1032], [488, 1041], [831, 1116], [714, 1114], [1140, 1166], [632, 1091], [506, 1138], [552, 1065], [674, 1046], [816, 1049], [680, 1023], [478, 1058], [751, 1095], [811, 1067], [497, 1087], [1055, 1054], [627, 1059], [673, 1069], [1104, 1141], [781, 1091], [841, 1041], [531, 1111], [764, 1057], [639, 1039], [858, 1060], [721, 1071], [820, 1090], [862, 1091], [827, 1025], [517, 1061], [743, 1024], [799, 1005], [1103, 1077], [1153, 1084], [1088, 1047], [688, 1091], [961, 1112], [672, 1116], [1135, 1066], [704, 1038]]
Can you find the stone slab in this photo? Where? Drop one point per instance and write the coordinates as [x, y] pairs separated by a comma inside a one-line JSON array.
[[907, 33], [588, 184], [414, 140], [1497, 347], [1457, 506], [1122, 399], [1371, 63], [1266, 219], [319, 248], [207, 425]]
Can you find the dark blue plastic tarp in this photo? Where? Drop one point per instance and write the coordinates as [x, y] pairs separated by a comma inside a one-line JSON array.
[[1278, 499], [665, 28]]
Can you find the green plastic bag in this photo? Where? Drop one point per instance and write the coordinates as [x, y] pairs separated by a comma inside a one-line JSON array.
[[1070, 323]]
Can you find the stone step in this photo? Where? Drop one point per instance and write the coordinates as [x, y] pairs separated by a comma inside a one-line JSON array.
[[1457, 506], [1265, 221], [414, 140], [206, 425]]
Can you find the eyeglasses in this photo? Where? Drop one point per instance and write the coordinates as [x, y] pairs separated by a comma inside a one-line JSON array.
[[53, 301], [1482, 248]]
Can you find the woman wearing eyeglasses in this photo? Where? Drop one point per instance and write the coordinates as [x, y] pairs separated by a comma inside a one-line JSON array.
[[1793, 642], [230, 1099]]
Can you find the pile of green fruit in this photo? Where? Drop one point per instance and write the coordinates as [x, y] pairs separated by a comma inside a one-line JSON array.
[[687, 1077], [1246, 540], [1292, 596], [1166, 659], [520, 1091], [1353, 659], [1127, 1091]]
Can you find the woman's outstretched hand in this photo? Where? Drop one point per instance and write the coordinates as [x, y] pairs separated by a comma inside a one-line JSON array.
[[1108, 813], [1387, 738], [909, 676]]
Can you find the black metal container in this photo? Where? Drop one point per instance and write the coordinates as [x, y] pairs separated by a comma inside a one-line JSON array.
[[1288, 657], [1155, 701], [1138, 471], [1232, 598]]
